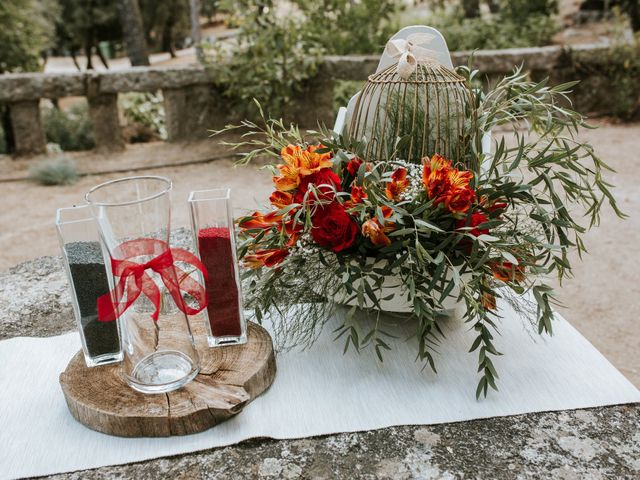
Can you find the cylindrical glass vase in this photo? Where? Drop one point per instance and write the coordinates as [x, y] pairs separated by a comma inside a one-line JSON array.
[[214, 236], [133, 217], [88, 279]]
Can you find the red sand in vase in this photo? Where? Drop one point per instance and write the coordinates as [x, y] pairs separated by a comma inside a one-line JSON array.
[[216, 252]]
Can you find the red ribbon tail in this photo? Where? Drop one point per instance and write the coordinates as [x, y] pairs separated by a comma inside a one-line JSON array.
[[106, 309]]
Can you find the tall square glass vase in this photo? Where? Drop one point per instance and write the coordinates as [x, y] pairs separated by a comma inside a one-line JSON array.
[[214, 236], [88, 279], [133, 217]]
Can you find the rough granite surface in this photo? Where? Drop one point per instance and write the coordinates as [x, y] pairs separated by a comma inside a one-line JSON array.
[[597, 443]]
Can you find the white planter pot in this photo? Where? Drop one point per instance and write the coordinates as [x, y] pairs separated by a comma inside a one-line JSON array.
[[400, 302]]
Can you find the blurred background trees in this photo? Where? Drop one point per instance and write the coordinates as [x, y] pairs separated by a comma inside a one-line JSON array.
[[33, 29], [268, 49]]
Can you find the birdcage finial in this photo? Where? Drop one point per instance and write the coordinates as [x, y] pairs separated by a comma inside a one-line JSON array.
[[410, 52]]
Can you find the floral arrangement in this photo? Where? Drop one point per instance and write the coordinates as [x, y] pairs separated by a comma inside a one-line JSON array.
[[341, 226]]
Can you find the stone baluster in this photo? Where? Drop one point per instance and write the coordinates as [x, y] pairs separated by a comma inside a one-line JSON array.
[[27, 127], [105, 122], [190, 112]]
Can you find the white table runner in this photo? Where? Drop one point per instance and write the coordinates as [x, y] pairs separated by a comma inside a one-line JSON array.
[[318, 391]]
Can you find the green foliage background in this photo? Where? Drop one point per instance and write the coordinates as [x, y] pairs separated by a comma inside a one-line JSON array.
[[518, 23], [25, 33], [70, 129]]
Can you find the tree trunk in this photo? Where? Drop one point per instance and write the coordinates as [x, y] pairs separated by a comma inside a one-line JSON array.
[[133, 31], [494, 6], [167, 38], [471, 8], [88, 49], [75, 60], [102, 58], [9, 140], [196, 34], [633, 10]]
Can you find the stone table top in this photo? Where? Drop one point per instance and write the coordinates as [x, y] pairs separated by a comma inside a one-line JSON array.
[[593, 443]]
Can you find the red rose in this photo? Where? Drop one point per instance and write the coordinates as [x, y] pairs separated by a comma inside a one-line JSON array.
[[333, 227], [473, 221], [353, 166], [324, 180]]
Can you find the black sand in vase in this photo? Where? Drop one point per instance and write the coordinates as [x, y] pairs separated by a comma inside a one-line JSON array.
[[89, 281]]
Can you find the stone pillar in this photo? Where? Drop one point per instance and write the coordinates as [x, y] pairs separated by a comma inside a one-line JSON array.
[[103, 111], [27, 127], [190, 112]]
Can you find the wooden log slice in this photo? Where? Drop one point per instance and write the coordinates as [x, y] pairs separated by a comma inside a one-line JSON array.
[[230, 377]]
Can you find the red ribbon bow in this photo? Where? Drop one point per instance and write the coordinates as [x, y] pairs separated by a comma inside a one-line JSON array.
[[134, 279]]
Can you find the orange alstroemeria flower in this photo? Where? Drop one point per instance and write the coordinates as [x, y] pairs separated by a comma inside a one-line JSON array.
[[291, 227], [507, 272], [289, 178], [357, 196], [459, 178], [375, 232], [488, 301], [281, 199], [306, 161], [387, 212], [458, 200], [447, 185], [260, 221], [435, 175], [398, 184], [266, 258]]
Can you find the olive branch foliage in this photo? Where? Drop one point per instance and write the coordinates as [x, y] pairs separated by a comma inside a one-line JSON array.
[[554, 188]]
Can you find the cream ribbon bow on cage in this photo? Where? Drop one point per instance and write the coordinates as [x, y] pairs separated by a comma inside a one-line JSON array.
[[410, 51]]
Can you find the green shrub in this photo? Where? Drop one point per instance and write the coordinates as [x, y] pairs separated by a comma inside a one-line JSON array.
[[344, 28], [504, 30], [57, 171], [71, 129], [343, 91], [274, 57], [518, 11], [619, 71], [146, 109], [274, 54]]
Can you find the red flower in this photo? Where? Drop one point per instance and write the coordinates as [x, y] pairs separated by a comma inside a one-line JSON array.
[[357, 196], [260, 221], [353, 166], [435, 175], [488, 301], [333, 227], [398, 184], [473, 221], [459, 200], [266, 258], [447, 185], [496, 207], [281, 199], [507, 271], [325, 181], [375, 232]]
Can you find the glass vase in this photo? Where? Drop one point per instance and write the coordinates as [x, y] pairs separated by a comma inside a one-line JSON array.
[[133, 216], [88, 279], [214, 237]]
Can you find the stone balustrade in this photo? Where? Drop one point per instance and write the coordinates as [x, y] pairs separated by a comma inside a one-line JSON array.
[[193, 104]]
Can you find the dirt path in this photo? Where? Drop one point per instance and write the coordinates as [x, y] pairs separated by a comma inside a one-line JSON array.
[[602, 301]]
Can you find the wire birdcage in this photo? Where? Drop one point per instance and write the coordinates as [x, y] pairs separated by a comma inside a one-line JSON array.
[[416, 117]]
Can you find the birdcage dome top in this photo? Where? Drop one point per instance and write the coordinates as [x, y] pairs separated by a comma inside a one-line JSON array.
[[412, 114]]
